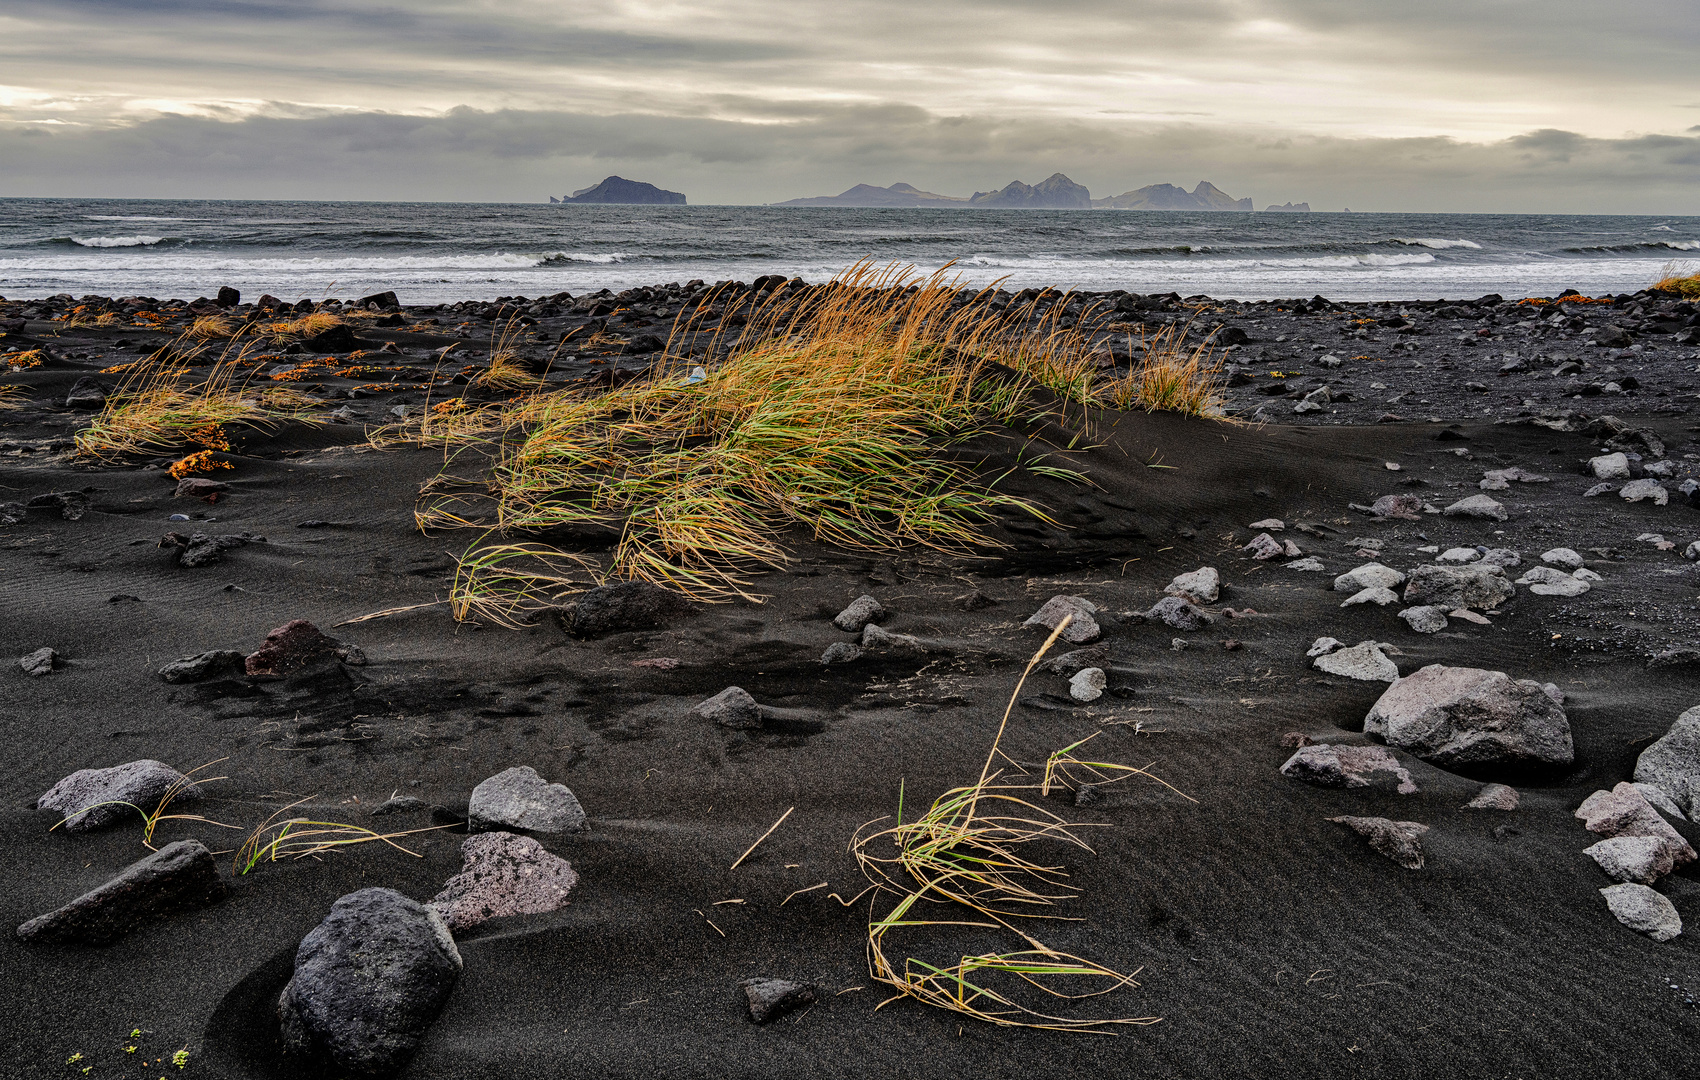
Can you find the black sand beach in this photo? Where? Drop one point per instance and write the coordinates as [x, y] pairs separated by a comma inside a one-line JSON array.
[[1270, 941]]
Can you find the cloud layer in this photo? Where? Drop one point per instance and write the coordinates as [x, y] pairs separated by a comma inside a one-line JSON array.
[[1442, 106]]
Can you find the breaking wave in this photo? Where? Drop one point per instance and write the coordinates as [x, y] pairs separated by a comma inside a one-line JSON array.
[[1430, 242], [116, 241]]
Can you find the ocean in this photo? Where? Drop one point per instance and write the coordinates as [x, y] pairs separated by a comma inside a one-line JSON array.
[[432, 252]]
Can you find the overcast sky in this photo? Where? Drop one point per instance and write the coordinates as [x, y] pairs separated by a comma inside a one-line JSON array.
[[1489, 105]]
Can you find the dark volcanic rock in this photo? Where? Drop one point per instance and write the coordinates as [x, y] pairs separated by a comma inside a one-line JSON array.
[[732, 708], [295, 647], [101, 792], [338, 339], [771, 998], [368, 982], [72, 505], [862, 611], [177, 877], [518, 798], [629, 605], [1082, 627], [1452, 716], [503, 874], [1175, 611], [227, 297], [199, 487], [1400, 841], [386, 301], [1472, 586], [38, 663], [1672, 764], [86, 394], [204, 549], [204, 666]]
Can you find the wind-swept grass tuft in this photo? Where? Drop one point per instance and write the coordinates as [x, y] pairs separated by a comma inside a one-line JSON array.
[[1679, 279], [151, 819], [1173, 377], [505, 371], [207, 327], [301, 838], [964, 853]]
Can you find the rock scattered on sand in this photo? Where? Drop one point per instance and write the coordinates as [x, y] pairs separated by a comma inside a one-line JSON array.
[[1551, 581], [87, 393], [1624, 811], [1457, 716], [1324, 645], [1474, 586], [1563, 558], [400, 804], [205, 665], [177, 877], [769, 999], [102, 791], [1268, 524], [1637, 490], [205, 549], [1264, 547], [1597, 490], [1400, 841], [1458, 556], [875, 636], [1643, 911], [862, 611], [1380, 596], [369, 981], [732, 708], [627, 605], [38, 663], [1311, 564], [841, 652], [1364, 661], [1087, 685], [295, 647], [1641, 859], [1609, 466], [1425, 620], [1502, 557], [503, 874], [518, 798], [1401, 507], [1201, 586], [1331, 766], [1082, 627], [1070, 662], [1494, 797], [1478, 506], [1175, 611]]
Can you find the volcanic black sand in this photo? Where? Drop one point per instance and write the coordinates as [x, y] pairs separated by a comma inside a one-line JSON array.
[[1270, 941]]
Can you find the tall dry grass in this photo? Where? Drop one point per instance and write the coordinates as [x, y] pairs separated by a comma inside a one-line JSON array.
[[831, 409], [1679, 279]]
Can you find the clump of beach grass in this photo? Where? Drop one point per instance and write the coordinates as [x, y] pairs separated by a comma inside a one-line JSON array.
[[505, 371], [1679, 279], [159, 406], [964, 853], [1173, 377], [301, 838]]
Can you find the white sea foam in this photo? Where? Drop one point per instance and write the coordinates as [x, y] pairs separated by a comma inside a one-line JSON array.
[[1682, 245], [1431, 242], [129, 217], [116, 241]]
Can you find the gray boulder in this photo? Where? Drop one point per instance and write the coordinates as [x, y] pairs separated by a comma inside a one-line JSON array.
[[1502, 557], [518, 798], [1637, 490], [1641, 859], [503, 874], [768, 999], [1624, 811], [103, 793], [1324, 645], [1264, 547], [1478, 586], [1364, 661], [1087, 685], [1082, 627], [177, 877], [841, 652], [1453, 716], [1402, 507], [1202, 586], [1400, 841], [38, 663], [1175, 611], [1672, 764], [732, 708], [203, 666], [1563, 558], [1330, 766], [1478, 506], [369, 981], [1610, 466], [1425, 620], [1643, 911], [862, 611]]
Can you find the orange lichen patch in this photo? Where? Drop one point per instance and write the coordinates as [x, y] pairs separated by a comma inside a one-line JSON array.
[[1536, 301], [199, 462], [443, 408], [119, 369], [394, 386], [23, 361], [211, 436]]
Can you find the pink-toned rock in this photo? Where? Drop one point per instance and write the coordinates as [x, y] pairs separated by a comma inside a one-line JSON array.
[[503, 874], [1326, 765], [295, 646], [1624, 811]]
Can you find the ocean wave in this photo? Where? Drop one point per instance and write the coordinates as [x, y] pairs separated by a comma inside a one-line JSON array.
[[1430, 242], [1639, 245], [557, 258], [1681, 245], [116, 241], [129, 217]]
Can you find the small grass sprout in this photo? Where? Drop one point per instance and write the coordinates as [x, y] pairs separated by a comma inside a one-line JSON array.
[[963, 853], [301, 838]]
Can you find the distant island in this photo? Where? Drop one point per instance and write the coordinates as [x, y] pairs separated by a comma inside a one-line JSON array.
[[1057, 192], [617, 189]]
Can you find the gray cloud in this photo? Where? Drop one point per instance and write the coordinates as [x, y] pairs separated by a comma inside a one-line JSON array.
[[521, 155]]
